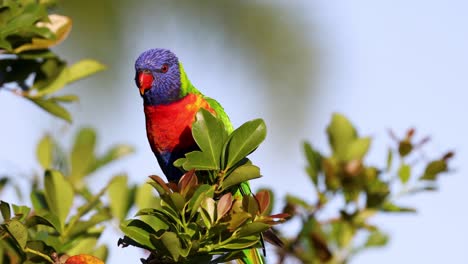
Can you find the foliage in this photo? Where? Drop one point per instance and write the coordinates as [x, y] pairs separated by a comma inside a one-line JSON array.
[[28, 67], [210, 211], [363, 191], [57, 223]]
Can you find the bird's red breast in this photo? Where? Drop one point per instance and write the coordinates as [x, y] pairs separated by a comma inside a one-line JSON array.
[[168, 127]]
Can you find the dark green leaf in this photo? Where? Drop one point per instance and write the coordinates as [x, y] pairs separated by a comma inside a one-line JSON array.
[[5, 210], [433, 169], [138, 231]]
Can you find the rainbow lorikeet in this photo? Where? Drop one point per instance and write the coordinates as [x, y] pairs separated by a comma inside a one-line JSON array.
[[170, 105]]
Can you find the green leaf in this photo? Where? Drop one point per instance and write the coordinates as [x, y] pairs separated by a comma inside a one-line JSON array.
[[45, 152], [18, 232], [82, 154], [199, 161], [178, 201], [53, 108], [242, 243], [113, 154], [21, 212], [121, 196], [241, 174], [172, 243], [73, 73], [433, 169], [5, 210], [314, 160], [38, 200], [59, 194], [145, 197], [389, 159], [83, 246], [391, 207], [404, 172], [138, 231], [210, 135], [84, 68], [244, 140], [341, 134], [357, 149], [69, 98], [198, 196], [376, 239], [255, 228], [292, 199]]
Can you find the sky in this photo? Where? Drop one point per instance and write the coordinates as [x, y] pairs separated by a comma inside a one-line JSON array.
[[384, 64]]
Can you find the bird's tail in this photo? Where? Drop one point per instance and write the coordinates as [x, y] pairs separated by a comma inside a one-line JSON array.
[[252, 256]]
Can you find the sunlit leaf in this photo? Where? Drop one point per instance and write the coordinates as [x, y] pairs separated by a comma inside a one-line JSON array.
[[224, 205], [138, 231], [121, 196], [82, 154], [53, 108], [244, 140], [59, 194], [404, 172], [241, 174], [45, 152], [341, 133], [357, 149]]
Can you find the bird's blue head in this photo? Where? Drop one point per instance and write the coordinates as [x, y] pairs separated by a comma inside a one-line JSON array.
[[158, 76]]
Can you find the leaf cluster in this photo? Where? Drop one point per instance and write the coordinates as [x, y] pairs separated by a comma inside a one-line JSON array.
[[27, 66], [362, 190], [66, 216], [209, 215]]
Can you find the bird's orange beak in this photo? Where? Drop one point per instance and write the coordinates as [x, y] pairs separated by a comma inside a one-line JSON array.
[[144, 81]]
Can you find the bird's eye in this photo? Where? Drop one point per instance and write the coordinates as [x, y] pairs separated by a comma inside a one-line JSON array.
[[164, 68]]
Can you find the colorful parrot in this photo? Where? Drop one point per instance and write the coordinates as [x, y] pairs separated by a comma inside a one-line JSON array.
[[170, 104]]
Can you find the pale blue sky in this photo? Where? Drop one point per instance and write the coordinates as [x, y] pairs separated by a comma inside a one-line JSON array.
[[384, 64]]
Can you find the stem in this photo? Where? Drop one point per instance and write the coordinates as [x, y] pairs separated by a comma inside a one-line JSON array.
[[44, 256]]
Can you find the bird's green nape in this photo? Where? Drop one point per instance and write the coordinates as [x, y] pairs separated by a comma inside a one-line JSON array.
[[186, 87]]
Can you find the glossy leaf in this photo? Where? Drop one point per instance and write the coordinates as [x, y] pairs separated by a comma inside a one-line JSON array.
[[138, 231], [244, 140], [210, 135], [241, 174], [59, 194], [223, 206]]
